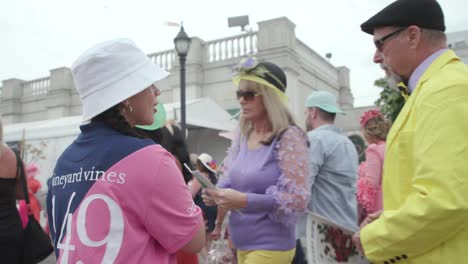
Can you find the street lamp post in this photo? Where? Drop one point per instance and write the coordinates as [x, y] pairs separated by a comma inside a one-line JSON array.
[[182, 46]]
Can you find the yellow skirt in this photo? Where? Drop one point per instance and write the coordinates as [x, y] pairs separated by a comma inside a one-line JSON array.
[[265, 256]]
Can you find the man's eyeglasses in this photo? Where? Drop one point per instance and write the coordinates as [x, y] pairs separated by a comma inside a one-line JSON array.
[[247, 94], [380, 42]]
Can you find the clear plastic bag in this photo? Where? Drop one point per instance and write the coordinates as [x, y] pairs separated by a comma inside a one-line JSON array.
[[220, 252]]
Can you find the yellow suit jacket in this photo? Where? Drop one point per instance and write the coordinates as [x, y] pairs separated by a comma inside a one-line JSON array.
[[425, 177]]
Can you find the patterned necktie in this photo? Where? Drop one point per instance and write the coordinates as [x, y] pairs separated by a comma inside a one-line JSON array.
[[403, 90]]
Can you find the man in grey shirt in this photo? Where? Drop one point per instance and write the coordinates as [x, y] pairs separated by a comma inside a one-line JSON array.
[[333, 161], [334, 164]]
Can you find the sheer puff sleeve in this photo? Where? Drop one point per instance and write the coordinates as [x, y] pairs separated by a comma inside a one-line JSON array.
[[292, 191]]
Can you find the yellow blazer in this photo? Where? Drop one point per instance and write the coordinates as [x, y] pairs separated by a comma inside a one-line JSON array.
[[425, 178]]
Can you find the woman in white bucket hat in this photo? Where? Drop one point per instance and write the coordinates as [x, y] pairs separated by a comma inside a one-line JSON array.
[[116, 197]]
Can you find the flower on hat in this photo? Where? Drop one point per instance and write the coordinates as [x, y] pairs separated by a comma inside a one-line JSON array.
[[213, 165], [246, 64], [368, 115]]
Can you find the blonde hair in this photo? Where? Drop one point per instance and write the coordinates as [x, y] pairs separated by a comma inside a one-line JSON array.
[[277, 112], [376, 129]]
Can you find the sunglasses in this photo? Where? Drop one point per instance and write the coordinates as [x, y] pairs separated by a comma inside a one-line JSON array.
[[246, 94], [380, 42]]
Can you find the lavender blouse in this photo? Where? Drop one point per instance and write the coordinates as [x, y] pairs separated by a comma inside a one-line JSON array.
[[275, 178]]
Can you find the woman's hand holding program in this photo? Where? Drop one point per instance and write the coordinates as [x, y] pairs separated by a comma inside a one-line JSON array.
[[226, 198]]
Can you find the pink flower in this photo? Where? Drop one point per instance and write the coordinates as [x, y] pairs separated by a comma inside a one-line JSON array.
[[368, 115]]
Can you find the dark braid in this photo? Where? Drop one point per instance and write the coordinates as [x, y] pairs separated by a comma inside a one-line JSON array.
[[114, 119]]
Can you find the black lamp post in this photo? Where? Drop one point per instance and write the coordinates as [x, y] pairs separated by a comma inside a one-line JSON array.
[[182, 46]]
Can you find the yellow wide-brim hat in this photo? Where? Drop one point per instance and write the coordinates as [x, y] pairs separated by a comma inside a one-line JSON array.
[[265, 73]]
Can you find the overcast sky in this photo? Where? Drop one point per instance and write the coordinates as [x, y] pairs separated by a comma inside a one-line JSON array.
[[39, 35]]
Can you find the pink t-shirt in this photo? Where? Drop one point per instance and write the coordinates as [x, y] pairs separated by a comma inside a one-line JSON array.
[[138, 211]]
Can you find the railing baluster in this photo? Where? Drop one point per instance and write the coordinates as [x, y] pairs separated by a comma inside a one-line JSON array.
[[226, 49]]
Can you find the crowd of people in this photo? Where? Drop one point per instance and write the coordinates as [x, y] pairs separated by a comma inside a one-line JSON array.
[[120, 193]]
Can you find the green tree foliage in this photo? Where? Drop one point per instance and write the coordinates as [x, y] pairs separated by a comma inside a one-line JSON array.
[[390, 101]]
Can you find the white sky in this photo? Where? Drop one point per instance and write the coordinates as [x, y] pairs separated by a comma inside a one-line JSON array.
[[39, 35]]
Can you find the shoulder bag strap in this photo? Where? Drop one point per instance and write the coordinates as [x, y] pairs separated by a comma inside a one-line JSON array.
[[20, 175]]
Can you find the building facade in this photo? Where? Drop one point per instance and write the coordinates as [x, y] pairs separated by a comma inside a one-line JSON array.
[[208, 74], [458, 41]]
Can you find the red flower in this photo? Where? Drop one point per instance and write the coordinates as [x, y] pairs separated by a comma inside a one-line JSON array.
[[213, 165]]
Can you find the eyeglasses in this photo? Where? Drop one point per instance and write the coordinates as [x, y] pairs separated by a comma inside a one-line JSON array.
[[247, 94], [380, 42]]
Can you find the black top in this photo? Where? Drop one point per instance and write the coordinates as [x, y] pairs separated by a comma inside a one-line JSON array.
[[11, 230]]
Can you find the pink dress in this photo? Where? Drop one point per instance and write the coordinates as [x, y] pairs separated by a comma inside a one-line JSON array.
[[369, 186]]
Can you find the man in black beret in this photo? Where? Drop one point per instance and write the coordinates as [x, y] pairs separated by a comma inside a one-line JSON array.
[[425, 172]]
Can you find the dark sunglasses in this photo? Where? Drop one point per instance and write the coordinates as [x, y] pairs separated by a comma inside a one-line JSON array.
[[247, 94], [380, 42]]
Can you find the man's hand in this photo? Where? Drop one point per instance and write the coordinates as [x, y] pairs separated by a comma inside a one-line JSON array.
[[357, 236], [357, 243], [370, 218]]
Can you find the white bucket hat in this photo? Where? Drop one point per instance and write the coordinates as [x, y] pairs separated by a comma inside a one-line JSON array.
[[111, 72], [208, 162]]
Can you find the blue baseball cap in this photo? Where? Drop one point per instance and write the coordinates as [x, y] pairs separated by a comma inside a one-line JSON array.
[[323, 100]]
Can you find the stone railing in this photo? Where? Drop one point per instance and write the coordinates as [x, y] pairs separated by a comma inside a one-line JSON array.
[[38, 87], [231, 47], [208, 69], [165, 59]]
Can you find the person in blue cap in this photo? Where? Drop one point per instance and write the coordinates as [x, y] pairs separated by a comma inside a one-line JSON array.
[[334, 162]]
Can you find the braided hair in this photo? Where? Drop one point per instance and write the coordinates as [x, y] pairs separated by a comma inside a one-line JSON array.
[[114, 119]]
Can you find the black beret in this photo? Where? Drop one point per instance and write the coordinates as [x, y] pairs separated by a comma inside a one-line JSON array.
[[403, 13]]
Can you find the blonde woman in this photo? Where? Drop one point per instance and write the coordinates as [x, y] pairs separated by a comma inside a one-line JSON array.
[[265, 178], [375, 128], [11, 230]]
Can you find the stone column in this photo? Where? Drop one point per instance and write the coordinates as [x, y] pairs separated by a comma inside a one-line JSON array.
[[59, 97], [277, 43], [346, 98], [10, 101], [276, 33]]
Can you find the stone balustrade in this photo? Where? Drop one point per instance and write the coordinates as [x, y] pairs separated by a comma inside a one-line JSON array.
[[38, 87], [208, 73], [231, 47], [166, 59]]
